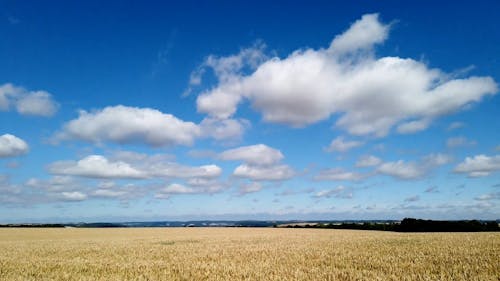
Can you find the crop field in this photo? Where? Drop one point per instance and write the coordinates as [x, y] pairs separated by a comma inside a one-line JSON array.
[[245, 254]]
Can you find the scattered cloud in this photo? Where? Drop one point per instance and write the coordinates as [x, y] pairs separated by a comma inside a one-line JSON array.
[[488, 196], [96, 166], [339, 175], [432, 189], [264, 173], [126, 125], [479, 165], [224, 129], [37, 103], [371, 95], [11, 146], [368, 161], [459, 142], [131, 166], [413, 170], [251, 187], [123, 124], [340, 145], [337, 192], [456, 125], [412, 198], [259, 154], [73, 196]]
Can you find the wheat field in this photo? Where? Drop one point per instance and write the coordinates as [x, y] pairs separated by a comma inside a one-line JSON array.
[[245, 254]]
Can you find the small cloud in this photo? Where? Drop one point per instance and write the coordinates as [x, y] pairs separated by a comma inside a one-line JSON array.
[[337, 192], [339, 174], [488, 197], [432, 189], [413, 170], [479, 165], [250, 188], [459, 142], [341, 145], [412, 198], [259, 154], [368, 161], [455, 125], [37, 103], [11, 146], [73, 196]]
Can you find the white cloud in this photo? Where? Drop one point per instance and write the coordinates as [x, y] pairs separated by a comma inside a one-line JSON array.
[[368, 161], [194, 186], [459, 142], [413, 126], [176, 188], [123, 124], [337, 192], [174, 170], [338, 144], [11, 146], [362, 35], [96, 166], [456, 125], [264, 173], [250, 188], [107, 193], [259, 154], [413, 170], [39, 103], [479, 165], [132, 166], [370, 95], [73, 196], [223, 129], [488, 196], [401, 169], [339, 175]]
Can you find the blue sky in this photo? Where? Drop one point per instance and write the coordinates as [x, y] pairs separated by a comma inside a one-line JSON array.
[[128, 110]]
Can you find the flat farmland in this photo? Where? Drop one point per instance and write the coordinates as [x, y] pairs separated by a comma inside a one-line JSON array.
[[245, 254]]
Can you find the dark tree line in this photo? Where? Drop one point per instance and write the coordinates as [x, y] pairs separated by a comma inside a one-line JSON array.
[[413, 225]]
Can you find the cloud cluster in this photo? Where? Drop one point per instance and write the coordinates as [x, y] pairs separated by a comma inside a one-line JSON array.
[[371, 95], [11, 146], [479, 165], [124, 125], [38, 103], [260, 163]]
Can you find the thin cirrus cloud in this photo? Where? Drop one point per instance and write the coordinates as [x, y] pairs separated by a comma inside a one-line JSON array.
[[371, 95], [11, 146], [37, 103], [124, 125]]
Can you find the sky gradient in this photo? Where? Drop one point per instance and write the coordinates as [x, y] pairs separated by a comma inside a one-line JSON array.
[[123, 111]]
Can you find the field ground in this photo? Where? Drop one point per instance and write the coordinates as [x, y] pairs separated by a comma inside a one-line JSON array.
[[245, 254]]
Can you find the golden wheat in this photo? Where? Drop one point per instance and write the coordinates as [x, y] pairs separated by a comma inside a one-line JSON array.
[[245, 254]]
